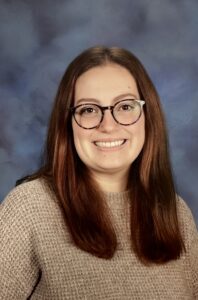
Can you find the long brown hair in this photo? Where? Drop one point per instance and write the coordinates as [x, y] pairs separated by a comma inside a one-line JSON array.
[[155, 232]]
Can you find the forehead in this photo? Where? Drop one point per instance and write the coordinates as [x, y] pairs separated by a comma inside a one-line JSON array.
[[105, 81]]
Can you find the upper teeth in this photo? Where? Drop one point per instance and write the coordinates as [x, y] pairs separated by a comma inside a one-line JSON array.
[[110, 144]]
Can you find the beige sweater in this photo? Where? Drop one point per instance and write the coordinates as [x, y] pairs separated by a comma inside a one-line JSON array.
[[37, 256]]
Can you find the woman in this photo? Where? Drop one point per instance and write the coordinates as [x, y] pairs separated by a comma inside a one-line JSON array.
[[101, 219]]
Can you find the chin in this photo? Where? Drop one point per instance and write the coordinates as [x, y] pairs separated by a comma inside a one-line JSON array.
[[112, 169]]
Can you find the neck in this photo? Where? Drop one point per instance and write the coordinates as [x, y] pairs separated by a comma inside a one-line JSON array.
[[109, 182]]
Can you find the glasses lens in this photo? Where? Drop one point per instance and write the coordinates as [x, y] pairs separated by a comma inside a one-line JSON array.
[[88, 115], [127, 111]]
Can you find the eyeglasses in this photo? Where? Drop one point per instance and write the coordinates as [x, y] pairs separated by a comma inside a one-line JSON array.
[[125, 112]]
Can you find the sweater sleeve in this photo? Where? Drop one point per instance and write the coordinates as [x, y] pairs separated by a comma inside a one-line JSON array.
[[191, 242], [18, 264]]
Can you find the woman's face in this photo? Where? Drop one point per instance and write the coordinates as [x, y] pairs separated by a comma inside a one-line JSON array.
[[106, 85]]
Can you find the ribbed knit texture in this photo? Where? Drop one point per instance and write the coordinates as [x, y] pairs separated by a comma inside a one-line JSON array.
[[37, 256]]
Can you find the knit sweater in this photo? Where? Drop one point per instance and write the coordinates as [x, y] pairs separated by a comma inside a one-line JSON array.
[[39, 261]]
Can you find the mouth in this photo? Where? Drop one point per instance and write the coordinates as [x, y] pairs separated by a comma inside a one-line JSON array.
[[110, 145]]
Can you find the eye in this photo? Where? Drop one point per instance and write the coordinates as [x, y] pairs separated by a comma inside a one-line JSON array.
[[126, 107], [87, 110]]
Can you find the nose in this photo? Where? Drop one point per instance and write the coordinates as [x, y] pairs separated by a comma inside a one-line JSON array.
[[108, 123]]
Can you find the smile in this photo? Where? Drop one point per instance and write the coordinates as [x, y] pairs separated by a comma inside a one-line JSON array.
[[112, 144]]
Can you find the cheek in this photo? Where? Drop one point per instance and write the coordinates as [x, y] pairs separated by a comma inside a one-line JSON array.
[[138, 130], [141, 129], [77, 135], [76, 131], [81, 138]]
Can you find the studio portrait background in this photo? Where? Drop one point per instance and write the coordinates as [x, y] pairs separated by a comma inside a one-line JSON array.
[[38, 39]]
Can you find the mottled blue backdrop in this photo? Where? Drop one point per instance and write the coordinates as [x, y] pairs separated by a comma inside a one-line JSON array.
[[39, 38]]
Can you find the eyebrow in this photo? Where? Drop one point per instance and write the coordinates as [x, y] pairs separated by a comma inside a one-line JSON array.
[[117, 98]]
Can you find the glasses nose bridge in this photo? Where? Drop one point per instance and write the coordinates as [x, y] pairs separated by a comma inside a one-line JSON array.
[[103, 109], [110, 107]]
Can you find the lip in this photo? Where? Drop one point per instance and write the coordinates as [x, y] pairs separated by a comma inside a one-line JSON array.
[[109, 140], [111, 149]]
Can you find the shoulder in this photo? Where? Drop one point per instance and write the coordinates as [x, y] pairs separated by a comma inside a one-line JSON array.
[[190, 236], [27, 198], [184, 212], [186, 221]]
